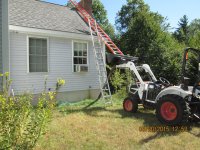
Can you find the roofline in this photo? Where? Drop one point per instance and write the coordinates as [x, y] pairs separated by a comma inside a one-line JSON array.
[[48, 29], [42, 1], [44, 32]]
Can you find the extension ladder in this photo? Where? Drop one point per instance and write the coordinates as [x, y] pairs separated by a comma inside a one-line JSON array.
[[100, 65], [104, 37], [98, 35]]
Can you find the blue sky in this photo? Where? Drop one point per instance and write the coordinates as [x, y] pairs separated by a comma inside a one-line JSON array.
[[172, 9]]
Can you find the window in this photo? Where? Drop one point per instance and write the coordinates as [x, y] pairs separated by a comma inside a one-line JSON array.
[[80, 57], [37, 55]]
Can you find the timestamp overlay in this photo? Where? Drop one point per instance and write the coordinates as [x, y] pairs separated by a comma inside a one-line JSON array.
[[164, 128]]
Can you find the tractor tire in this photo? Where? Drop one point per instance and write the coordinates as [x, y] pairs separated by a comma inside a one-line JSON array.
[[130, 104], [172, 110]]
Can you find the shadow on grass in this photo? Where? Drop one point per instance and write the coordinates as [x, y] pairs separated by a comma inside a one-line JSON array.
[[172, 133], [93, 111], [148, 118], [174, 130]]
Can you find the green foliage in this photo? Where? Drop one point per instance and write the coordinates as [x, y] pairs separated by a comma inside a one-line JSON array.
[[194, 33], [69, 4], [128, 12], [144, 34], [181, 34], [100, 15], [193, 41], [99, 12], [117, 79], [21, 123], [121, 80]]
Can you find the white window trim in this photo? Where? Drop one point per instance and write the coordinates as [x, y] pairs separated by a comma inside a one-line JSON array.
[[39, 37], [79, 41]]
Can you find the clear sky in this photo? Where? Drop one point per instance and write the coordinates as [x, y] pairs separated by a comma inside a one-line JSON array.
[[172, 9]]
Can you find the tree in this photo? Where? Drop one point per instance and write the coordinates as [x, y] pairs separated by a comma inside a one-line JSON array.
[[144, 34], [194, 33], [100, 15], [181, 34], [194, 27], [194, 38], [69, 4]]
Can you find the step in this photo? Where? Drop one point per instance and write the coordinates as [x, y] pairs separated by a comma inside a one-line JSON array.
[[109, 103], [102, 76], [100, 59], [105, 89], [116, 52], [108, 96], [98, 47]]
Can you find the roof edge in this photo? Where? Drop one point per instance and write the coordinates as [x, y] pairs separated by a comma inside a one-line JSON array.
[[42, 1], [46, 32]]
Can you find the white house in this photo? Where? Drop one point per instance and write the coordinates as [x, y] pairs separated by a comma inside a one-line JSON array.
[[4, 42], [50, 40]]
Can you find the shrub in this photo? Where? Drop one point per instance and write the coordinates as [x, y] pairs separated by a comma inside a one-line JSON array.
[[22, 123], [121, 79]]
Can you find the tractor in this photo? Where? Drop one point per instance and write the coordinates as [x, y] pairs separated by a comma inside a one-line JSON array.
[[174, 105]]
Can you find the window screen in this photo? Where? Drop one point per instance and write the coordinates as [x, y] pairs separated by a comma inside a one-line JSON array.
[[80, 55], [37, 55]]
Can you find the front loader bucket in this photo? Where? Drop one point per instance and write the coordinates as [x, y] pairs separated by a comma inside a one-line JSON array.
[[114, 59]]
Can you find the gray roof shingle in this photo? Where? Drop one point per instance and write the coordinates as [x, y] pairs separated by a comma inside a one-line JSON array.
[[44, 15]]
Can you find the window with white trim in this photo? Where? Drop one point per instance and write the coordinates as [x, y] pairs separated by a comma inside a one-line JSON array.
[[37, 54], [80, 56]]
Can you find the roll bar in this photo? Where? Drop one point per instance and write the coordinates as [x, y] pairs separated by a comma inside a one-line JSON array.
[[185, 58]]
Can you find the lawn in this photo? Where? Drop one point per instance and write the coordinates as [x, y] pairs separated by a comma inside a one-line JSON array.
[[108, 128]]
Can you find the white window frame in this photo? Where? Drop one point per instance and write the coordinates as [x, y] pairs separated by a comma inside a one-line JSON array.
[[37, 37], [84, 42]]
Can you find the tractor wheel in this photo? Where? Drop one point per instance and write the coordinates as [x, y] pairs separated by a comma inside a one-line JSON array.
[[130, 105], [172, 110]]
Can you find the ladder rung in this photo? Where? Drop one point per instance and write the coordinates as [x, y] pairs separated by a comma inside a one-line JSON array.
[[108, 96], [104, 36], [117, 52], [103, 73], [112, 46], [102, 69], [100, 59], [108, 103], [103, 79], [110, 43], [102, 76], [105, 89]]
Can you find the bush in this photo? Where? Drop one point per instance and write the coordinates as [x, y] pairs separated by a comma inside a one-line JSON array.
[[22, 123], [121, 80]]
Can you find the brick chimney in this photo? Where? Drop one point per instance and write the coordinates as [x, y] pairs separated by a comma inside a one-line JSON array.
[[87, 5]]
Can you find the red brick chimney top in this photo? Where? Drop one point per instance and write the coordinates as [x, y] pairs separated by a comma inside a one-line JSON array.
[[87, 5]]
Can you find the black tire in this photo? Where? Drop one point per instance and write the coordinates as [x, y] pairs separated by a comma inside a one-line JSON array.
[[177, 113], [130, 104]]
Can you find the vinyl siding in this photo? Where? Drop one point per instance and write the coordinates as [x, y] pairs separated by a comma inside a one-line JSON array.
[[1, 64], [60, 66]]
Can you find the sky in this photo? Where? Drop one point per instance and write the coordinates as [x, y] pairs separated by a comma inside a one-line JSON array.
[[172, 9]]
